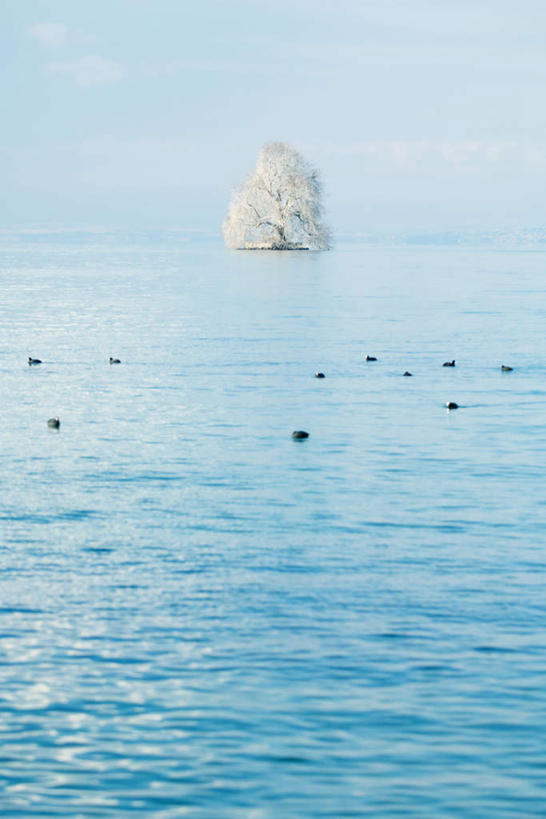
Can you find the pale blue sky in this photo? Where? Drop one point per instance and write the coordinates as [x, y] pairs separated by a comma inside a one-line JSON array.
[[421, 114]]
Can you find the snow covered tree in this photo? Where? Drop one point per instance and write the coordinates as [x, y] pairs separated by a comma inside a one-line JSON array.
[[279, 206]]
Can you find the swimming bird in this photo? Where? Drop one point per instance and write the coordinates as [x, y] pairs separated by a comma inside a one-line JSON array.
[[114, 360], [506, 369], [320, 375], [407, 373], [452, 405], [299, 434], [32, 361], [54, 422], [371, 358], [449, 363]]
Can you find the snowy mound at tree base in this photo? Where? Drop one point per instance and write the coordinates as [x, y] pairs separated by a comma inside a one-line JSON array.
[[272, 247]]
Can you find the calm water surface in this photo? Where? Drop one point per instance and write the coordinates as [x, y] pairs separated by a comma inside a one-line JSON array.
[[200, 616]]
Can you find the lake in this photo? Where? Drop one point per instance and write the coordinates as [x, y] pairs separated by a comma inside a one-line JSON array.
[[202, 617]]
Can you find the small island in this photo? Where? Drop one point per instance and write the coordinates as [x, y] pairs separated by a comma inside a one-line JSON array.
[[279, 206]]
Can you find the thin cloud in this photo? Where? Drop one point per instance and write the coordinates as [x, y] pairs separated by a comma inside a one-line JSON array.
[[50, 35], [173, 67], [90, 70], [453, 152], [137, 163]]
